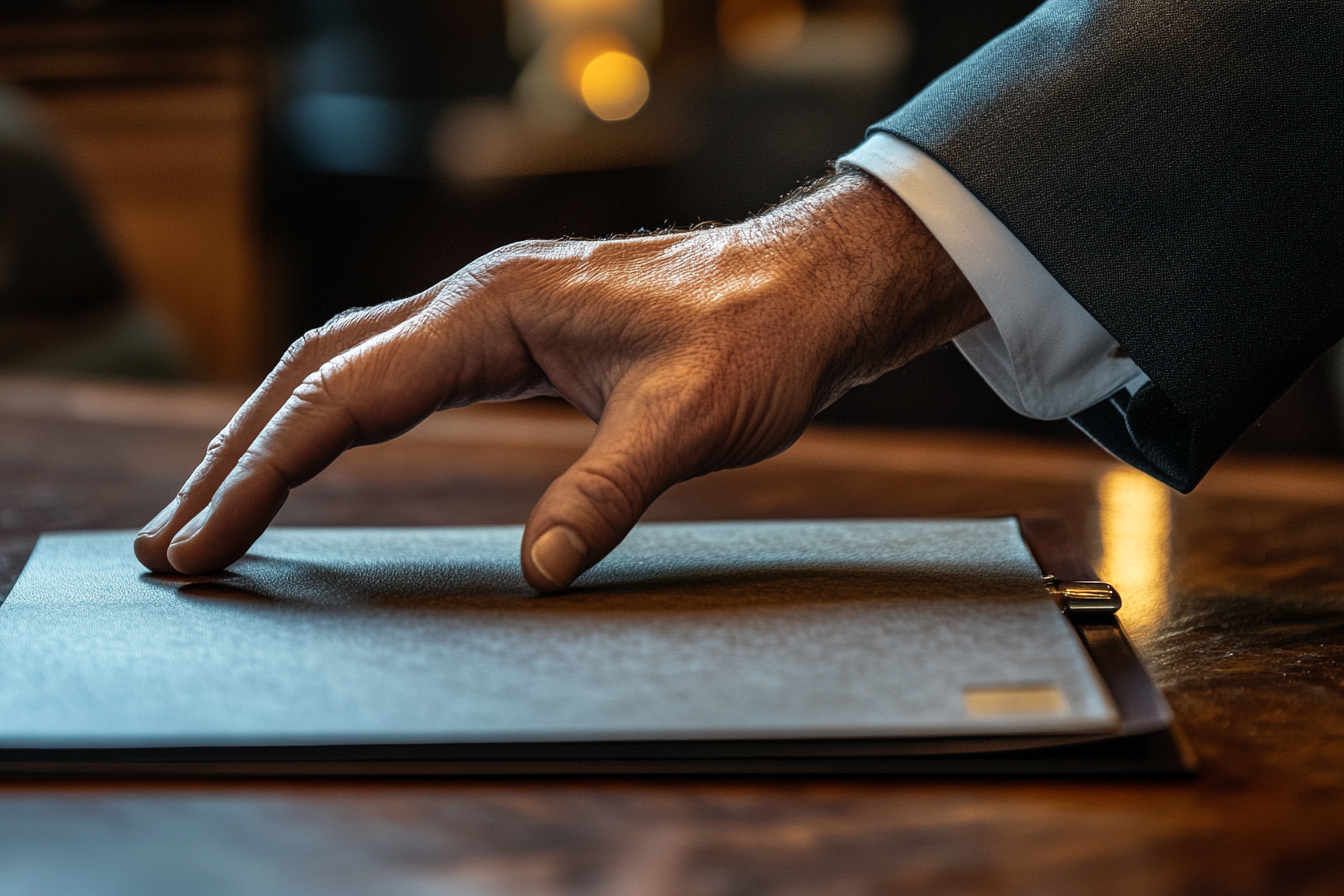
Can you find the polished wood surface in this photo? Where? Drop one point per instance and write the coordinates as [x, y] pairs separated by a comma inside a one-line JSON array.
[[1234, 596]]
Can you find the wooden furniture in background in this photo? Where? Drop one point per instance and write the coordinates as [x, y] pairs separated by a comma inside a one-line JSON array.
[[1234, 596], [158, 118]]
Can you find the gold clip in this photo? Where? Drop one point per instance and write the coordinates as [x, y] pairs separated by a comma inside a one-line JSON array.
[[1084, 597]]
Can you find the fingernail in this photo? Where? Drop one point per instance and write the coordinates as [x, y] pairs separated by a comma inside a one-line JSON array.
[[559, 554], [192, 527], [154, 526]]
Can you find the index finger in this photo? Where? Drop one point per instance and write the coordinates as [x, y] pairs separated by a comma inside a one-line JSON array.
[[302, 358], [369, 393]]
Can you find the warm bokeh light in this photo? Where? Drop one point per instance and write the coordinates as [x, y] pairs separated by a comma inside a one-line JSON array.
[[582, 10], [757, 30], [583, 49], [615, 86], [1135, 518]]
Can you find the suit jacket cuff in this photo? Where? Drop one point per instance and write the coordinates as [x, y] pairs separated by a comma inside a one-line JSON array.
[[1040, 351]]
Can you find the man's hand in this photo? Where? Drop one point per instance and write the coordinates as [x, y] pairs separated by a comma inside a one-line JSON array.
[[694, 351]]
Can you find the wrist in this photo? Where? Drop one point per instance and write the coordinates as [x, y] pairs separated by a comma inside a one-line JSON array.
[[891, 289]]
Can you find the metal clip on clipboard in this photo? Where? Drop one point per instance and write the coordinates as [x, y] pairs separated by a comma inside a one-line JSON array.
[[1085, 599]]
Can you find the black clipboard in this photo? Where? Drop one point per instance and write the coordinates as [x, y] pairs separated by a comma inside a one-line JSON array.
[[1146, 740]]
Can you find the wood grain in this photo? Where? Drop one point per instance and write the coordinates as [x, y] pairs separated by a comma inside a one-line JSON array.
[[1236, 601]]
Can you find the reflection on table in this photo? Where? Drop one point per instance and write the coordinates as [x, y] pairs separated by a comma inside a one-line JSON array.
[[1234, 594]]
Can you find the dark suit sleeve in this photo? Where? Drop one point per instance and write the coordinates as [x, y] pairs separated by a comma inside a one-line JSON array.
[[1178, 167]]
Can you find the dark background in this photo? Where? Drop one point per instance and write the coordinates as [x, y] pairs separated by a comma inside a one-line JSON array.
[[329, 240]]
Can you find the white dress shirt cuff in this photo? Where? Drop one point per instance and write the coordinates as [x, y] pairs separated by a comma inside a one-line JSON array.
[[1040, 350]]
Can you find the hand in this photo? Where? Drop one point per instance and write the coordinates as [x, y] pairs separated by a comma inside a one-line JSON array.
[[693, 351]]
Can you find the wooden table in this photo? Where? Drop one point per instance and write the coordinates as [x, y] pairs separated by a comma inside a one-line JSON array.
[[1234, 595]]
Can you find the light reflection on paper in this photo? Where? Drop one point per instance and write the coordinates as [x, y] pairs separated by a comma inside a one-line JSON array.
[[1135, 519]]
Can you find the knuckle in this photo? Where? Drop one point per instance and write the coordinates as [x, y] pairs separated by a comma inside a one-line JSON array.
[[341, 318], [323, 391], [316, 386], [501, 259], [522, 259], [333, 336], [615, 495], [216, 455], [522, 249], [217, 445], [302, 348], [254, 463]]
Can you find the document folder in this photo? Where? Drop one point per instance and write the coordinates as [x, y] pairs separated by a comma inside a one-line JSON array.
[[862, 646]]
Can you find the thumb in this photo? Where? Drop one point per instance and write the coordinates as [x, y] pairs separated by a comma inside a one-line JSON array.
[[594, 504]]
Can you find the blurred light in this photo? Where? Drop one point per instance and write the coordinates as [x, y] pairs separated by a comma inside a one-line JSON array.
[[567, 11], [760, 29], [534, 24], [581, 57], [1135, 518], [614, 86], [340, 61], [582, 50], [348, 133], [866, 41], [486, 140]]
